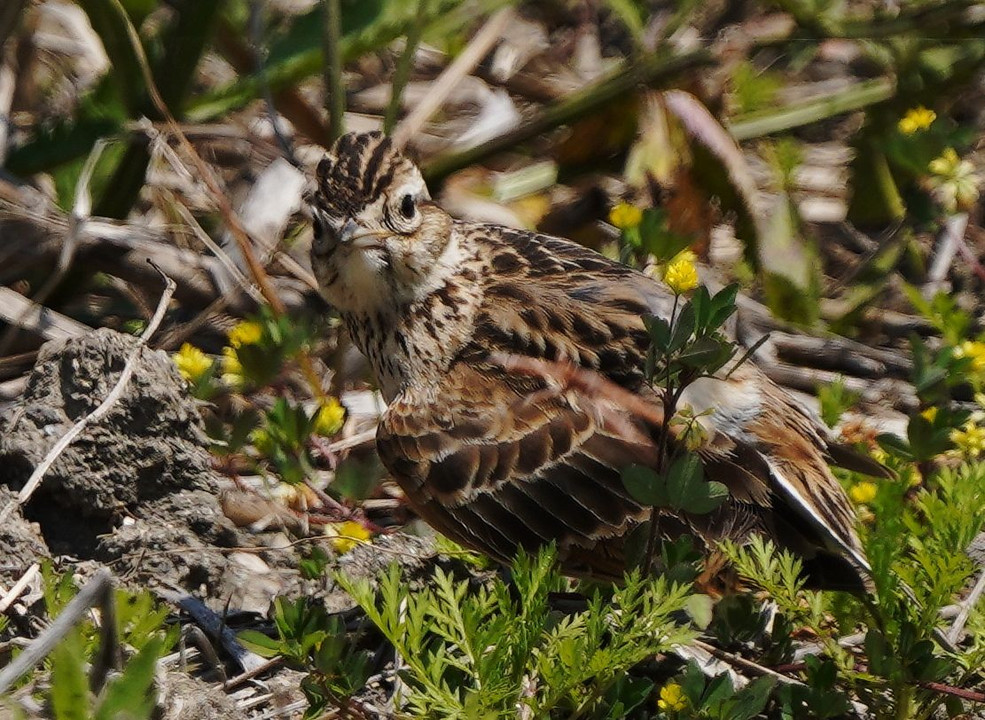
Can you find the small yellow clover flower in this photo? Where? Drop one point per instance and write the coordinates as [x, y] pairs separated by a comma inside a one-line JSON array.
[[974, 350], [970, 439], [672, 698], [191, 362], [916, 119], [680, 274], [232, 368], [625, 216], [863, 492], [330, 417], [346, 535], [954, 182], [247, 332]]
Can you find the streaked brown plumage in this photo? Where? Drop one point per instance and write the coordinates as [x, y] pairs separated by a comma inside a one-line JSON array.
[[498, 460]]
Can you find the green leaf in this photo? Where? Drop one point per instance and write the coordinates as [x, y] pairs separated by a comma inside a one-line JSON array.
[[719, 690], [259, 643], [69, 688], [627, 694], [645, 485], [706, 351], [752, 699], [629, 13], [789, 258], [659, 331], [880, 654], [701, 301], [895, 445], [693, 684], [722, 306], [687, 489], [132, 695], [683, 328], [700, 608]]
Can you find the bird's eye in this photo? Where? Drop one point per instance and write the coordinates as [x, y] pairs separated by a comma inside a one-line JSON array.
[[407, 206]]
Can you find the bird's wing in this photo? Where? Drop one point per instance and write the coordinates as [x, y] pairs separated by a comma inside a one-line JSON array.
[[498, 462], [497, 470]]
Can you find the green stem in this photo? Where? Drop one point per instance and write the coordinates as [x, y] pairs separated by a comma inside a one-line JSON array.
[[855, 97], [670, 397], [335, 102], [649, 70], [405, 63]]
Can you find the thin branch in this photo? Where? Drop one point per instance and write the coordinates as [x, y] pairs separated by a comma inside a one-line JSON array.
[[966, 605], [964, 694], [252, 673], [19, 587], [104, 407], [92, 594], [745, 665]]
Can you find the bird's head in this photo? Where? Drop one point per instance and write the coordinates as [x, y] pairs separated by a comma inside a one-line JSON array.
[[378, 237]]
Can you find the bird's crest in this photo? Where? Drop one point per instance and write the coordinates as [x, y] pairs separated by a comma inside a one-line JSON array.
[[360, 168]]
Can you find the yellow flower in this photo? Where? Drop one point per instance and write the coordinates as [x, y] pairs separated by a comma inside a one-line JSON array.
[[930, 414], [863, 492], [192, 363], [625, 216], [232, 368], [330, 417], [245, 333], [946, 163], [954, 182], [680, 273], [918, 118], [974, 350], [672, 698], [262, 441], [346, 535], [970, 439]]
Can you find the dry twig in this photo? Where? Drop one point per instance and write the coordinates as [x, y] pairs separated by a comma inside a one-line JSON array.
[[966, 606], [99, 590], [441, 88], [19, 587]]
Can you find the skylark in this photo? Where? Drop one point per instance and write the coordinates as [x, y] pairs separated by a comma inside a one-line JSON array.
[[499, 460]]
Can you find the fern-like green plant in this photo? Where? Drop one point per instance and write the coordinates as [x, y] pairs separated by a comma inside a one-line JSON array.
[[491, 650]]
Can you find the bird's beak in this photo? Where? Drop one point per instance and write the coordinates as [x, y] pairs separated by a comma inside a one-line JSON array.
[[358, 237]]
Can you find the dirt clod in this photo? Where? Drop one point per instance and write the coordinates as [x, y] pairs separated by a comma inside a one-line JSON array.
[[132, 488]]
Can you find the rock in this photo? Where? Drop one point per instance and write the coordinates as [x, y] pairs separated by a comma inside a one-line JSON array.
[[21, 542], [137, 487]]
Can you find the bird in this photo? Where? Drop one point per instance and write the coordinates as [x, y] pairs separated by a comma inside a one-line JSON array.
[[502, 461]]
